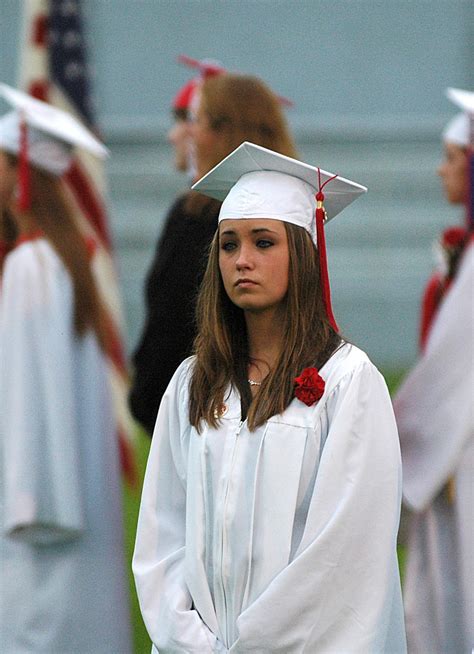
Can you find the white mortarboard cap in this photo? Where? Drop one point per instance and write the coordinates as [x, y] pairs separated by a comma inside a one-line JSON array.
[[52, 133], [255, 182], [457, 131], [463, 99]]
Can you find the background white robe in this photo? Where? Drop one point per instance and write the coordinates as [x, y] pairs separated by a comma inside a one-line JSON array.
[[267, 541], [62, 574], [435, 415]]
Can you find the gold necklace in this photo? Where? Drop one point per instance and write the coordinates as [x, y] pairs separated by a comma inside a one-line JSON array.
[[252, 382]]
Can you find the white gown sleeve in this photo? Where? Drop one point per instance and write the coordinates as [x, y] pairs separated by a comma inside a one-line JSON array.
[[337, 594], [434, 407], [42, 481], [166, 605]]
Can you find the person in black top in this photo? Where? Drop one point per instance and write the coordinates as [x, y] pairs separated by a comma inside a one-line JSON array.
[[170, 290]]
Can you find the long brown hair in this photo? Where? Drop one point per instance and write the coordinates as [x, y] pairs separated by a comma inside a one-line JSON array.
[[221, 346], [241, 108], [52, 215]]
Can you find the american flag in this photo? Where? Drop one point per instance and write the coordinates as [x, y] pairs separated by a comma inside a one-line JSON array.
[[53, 68]]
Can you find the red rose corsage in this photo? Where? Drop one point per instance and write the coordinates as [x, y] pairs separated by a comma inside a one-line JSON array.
[[309, 386]]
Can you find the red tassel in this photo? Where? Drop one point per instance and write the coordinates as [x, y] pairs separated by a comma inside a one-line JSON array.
[[39, 89], [429, 306], [24, 200], [323, 263]]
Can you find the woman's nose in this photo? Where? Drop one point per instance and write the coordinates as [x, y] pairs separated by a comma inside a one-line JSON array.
[[244, 259]]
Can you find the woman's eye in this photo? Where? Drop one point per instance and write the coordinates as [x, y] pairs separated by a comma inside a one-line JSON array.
[[264, 243], [228, 246]]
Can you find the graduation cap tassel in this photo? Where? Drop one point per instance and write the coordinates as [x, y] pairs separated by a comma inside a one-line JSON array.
[[24, 200], [321, 240]]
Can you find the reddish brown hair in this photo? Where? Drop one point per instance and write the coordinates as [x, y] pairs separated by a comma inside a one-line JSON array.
[[241, 108]]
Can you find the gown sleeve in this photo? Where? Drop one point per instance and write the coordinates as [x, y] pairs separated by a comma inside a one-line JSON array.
[[339, 592], [434, 407], [42, 480], [158, 561]]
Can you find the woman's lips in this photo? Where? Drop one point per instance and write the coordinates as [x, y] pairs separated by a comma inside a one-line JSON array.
[[245, 283]]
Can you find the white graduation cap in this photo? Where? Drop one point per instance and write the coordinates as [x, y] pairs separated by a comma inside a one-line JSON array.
[[463, 99], [47, 124], [458, 129], [255, 182], [42, 135]]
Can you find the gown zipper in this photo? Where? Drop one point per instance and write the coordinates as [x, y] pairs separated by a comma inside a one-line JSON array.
[[224, 542]]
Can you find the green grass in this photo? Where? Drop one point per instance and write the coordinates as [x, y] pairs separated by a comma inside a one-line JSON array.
[[141, 642], [393, 379]]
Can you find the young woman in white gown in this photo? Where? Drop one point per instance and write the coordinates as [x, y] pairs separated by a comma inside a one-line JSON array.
[[435, 415], [271, 501], [62, 570]]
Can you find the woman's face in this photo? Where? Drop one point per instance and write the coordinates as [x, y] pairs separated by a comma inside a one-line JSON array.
[[454, 173], [254, 263], [204, 138], [8, 176]]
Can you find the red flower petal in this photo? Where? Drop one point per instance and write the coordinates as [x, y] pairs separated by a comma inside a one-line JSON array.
[[309, 386]]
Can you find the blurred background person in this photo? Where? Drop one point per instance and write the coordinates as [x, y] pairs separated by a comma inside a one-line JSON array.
[[162, 342], [179, 134], [435, 415], [62, 572], [228, 109]]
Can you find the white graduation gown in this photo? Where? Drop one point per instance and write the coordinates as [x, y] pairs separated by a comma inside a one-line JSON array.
[[63, 586], [281, 540], [435, 414]]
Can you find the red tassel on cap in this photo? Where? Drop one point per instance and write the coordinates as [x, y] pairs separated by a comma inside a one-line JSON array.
[[323, 264], [24, 200]]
